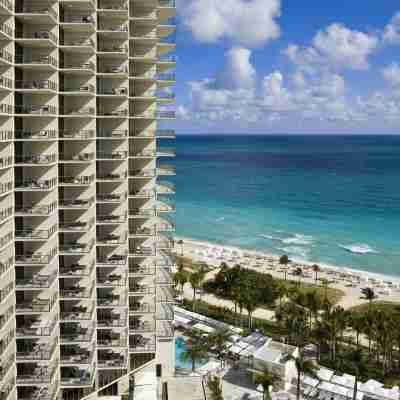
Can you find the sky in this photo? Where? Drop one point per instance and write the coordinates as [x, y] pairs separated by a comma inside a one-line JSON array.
[[288, 66]]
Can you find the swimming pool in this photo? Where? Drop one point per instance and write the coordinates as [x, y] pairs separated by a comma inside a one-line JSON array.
[[180, 347]]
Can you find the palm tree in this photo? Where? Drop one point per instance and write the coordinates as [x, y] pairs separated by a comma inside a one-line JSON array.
[[284, 260], [316, 270], [303, 366], [194, 352], [195, 280], [357, 360], [369, 294], [180, 242], [215, 387], [180, 278], [267, 380], [282, 291], [219, 339], [325, 283]]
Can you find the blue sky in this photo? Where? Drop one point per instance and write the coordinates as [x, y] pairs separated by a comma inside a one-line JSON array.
[[287, 66]]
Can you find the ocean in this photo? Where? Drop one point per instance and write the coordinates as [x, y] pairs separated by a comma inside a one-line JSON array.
[[327, 199]]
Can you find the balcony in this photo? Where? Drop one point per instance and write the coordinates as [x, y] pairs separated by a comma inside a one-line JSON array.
[[113, 49], [78, 377], [36, 159], [36, 185], [76, 270], [78, 67], [142, 212], [83, 180], [77, 313], [117, 70], [5, 213], [6, 109], [141, 290], [76, 355], [112, 300], [141, 308], [165, 188], [36, 135], [77, 158], [79, 43], [111, 239], [145, 153], [76, 334], [121, 91], [6, 57], [37, 374], [141, 193], [76, 203], [6, 162], [78, 90], [78, 292], [74, 247], [78, 19], [112, 5], [109, 359], [6, 135], [41, 85], [6, 6], [45, 38], [139, 343], [112, 134], [35, 234], [76, 226], [141, 270], [111, 219], [114, 155], [120, 112], [32, 351], [112, 260], [111, 198], [78, 134], [36, 61], [78, 112], [31, 329], [111, 320], [142, 173], [35, 209], [38, 9], [6, 83], [111, 340], [142, 251], [45, 110], [36, 281], [37, 305], [35, 258], [139, 326], [143, 231], [112, 177], [112, 280]]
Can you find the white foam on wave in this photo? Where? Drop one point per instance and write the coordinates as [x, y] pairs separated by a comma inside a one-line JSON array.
[[296, 251], [295, 239], [299, 239], [359, 248], [220, 219]]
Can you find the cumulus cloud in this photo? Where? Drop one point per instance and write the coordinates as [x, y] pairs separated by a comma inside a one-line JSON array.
[[335, 47], [247, 23], [391, 33], [238, 71], [392, 74]]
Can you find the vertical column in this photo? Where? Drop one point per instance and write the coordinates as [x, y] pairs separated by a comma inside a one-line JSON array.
[[112, 172], [36, 177], [77, 194], [164, 206], [7, 274], [150, 286]]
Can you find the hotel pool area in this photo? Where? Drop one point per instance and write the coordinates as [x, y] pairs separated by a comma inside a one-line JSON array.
[[180, 347]]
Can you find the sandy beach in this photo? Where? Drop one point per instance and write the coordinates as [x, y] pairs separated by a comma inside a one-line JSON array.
[[349, 281]]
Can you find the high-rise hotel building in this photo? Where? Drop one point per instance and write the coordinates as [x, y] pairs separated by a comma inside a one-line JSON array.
[[86, 295]]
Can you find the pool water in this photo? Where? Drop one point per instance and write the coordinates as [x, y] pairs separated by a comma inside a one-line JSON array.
[[180, 347]]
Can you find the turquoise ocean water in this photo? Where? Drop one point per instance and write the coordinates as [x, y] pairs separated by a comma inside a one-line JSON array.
[[328, 199]]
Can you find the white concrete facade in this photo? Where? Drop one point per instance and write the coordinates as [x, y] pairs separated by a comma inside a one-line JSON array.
[[85, 203]]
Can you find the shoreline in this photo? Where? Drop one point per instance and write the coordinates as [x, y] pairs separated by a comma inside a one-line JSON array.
[[349, 280]]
